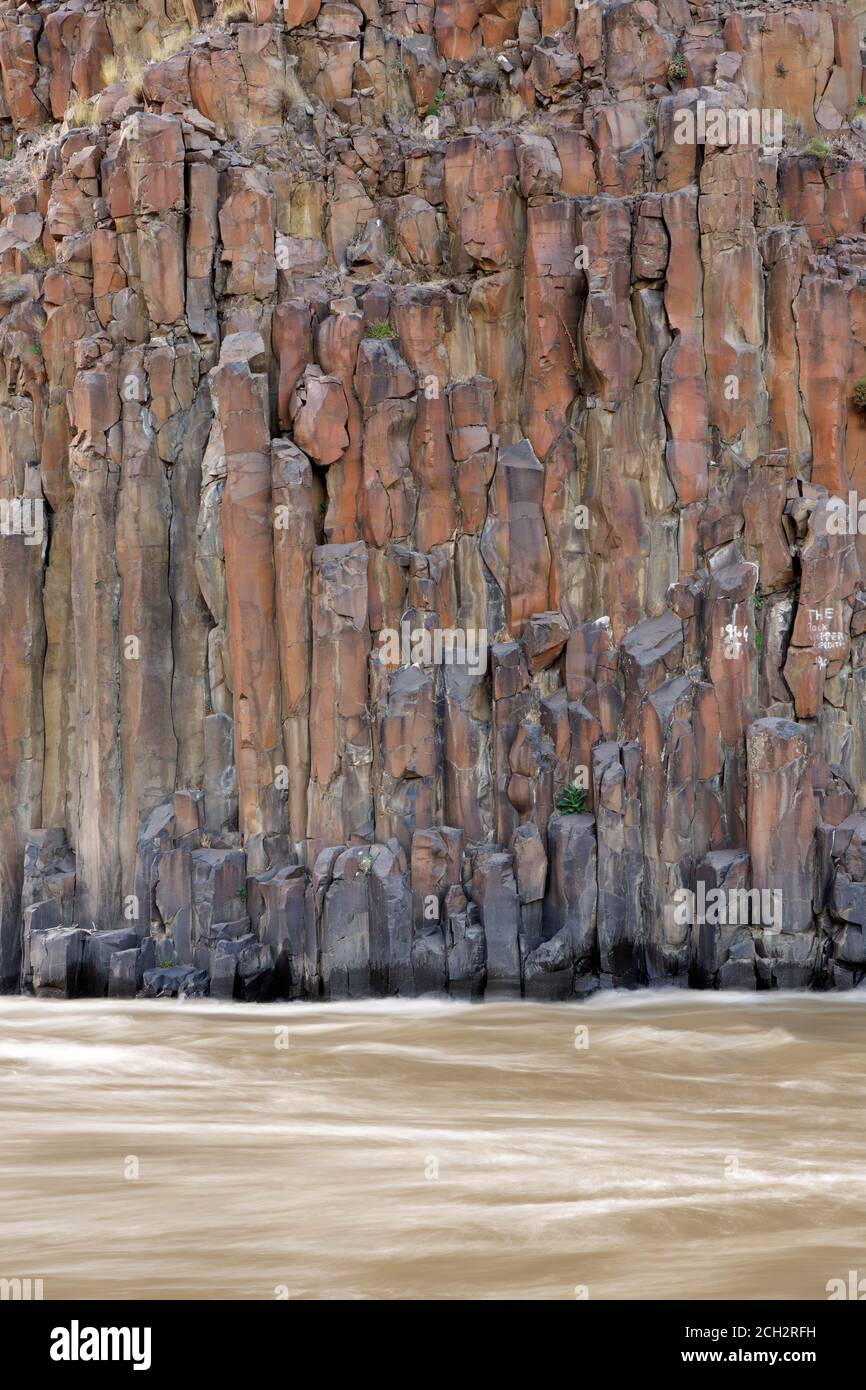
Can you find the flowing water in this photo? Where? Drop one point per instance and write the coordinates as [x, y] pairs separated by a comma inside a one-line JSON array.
[[676, 1146]]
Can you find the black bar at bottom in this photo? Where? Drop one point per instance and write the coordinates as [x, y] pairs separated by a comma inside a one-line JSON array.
[[151, 1338]]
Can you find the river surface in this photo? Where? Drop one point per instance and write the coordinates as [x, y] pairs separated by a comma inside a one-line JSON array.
[[677, 1146]]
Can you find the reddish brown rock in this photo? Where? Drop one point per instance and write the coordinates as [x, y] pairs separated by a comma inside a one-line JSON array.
[[294, 506], [781, 810], [514, 543], [340, 786], [240, 400], [347, 316], [319, 414]]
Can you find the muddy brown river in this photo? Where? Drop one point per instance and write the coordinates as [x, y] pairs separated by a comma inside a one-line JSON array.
[[673, 1145]]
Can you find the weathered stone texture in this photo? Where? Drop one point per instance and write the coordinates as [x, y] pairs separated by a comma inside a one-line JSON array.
[[431, 446]]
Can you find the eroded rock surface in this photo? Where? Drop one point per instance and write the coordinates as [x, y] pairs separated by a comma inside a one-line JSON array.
[[431, 443]]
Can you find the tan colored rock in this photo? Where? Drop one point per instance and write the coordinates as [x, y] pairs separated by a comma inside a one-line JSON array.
[[351, 315], [319, 414], [781, 817], [514, 543], [340, 795], [294, 540], [240, 401], [683, 386]]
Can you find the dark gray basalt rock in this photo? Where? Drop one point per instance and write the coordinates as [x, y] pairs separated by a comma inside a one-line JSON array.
[[173, 982]]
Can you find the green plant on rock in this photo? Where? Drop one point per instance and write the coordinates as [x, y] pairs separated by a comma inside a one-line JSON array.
[[365, 864], [781, 70], [816, 149], [861, 101], [758, 603], [571, 800], [433, 108], [859, 394], [677, 67], [380, 328]]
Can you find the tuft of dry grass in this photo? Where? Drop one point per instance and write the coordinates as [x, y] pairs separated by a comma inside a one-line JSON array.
[[133, 74], [38, 257], [112, 70], [131, 69], [292, 92], [173, 43], [81, 112], [234, 9]]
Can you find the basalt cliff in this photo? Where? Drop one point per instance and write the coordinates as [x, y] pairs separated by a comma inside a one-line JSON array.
[[331, 328]]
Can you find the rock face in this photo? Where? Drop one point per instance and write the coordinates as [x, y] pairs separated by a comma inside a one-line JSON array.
[[431, 447]]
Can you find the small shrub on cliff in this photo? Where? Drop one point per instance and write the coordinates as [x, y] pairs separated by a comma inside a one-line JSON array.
[[816, 149], [860, 102], [571, 800], [380, 329], [433, 108], [234, 9], [677, 69], [859, 394], [12, 288], [781, 70], [38, 257]]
